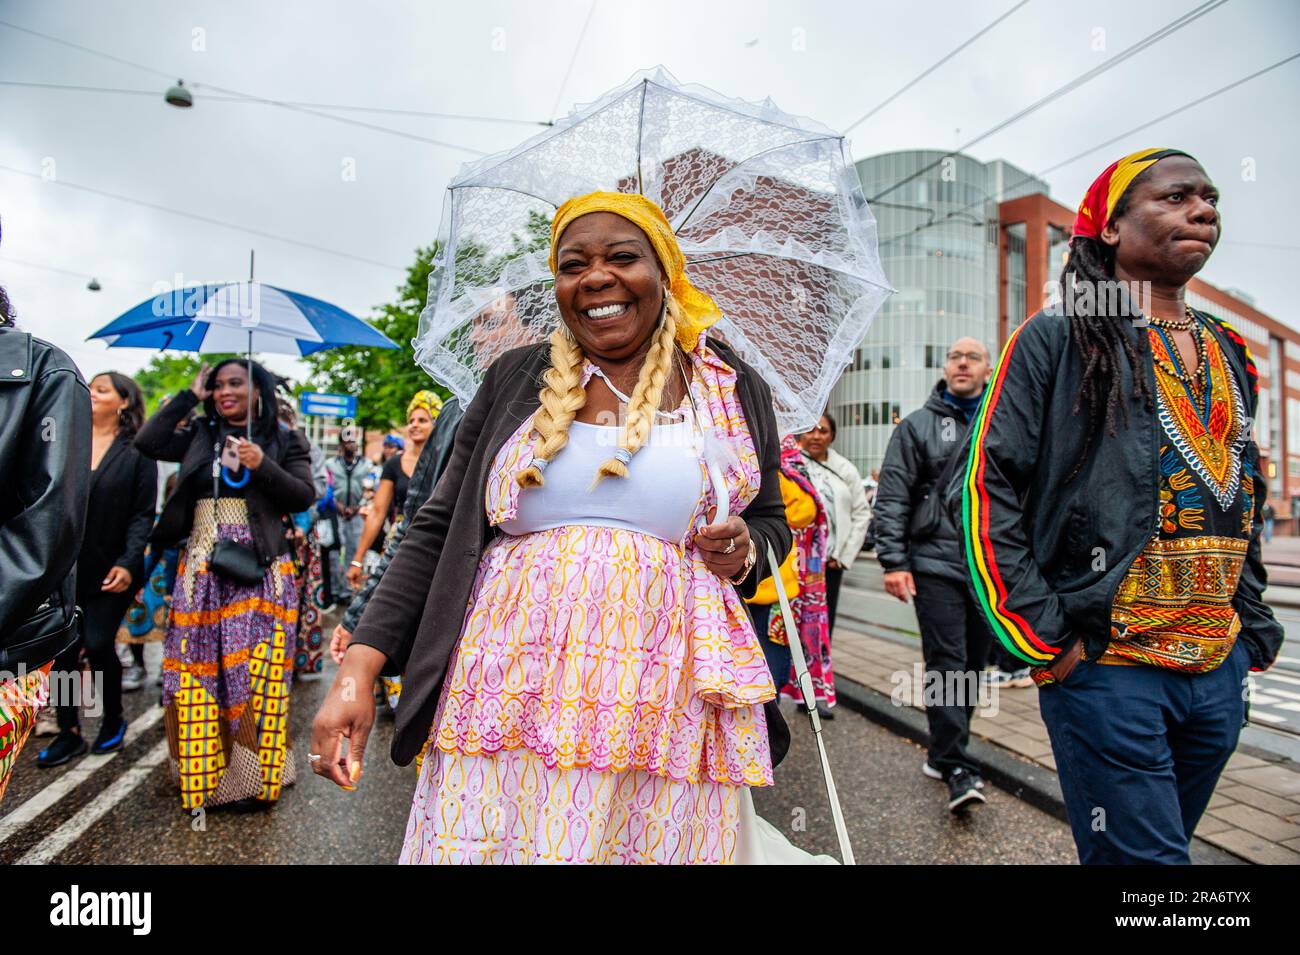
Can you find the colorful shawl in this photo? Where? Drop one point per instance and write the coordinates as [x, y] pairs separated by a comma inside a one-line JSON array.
[[809, 608]]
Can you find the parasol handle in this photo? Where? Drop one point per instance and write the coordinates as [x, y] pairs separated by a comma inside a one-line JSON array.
[[804, 679], [720, 496]]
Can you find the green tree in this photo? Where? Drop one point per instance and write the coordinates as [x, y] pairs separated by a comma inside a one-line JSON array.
[[383, 379]]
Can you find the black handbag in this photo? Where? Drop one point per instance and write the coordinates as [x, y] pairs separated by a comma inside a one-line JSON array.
[[231, 559], [236, 561]]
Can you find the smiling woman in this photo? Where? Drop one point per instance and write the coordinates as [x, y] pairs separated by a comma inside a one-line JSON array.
[[229, 644], [603, 698]]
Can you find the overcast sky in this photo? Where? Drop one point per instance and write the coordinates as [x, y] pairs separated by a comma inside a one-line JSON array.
[[281, 173]]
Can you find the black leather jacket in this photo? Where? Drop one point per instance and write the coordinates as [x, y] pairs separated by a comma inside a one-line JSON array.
[[44, 484], [918, 450]]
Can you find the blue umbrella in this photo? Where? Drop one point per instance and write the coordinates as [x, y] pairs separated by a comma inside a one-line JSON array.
[[239, 316]]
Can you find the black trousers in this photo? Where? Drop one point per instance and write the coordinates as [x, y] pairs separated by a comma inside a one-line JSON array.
[[834, 577], [955, 644], [101, 616]]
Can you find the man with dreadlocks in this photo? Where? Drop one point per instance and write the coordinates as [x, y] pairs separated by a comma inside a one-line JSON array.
[[1112, 507]]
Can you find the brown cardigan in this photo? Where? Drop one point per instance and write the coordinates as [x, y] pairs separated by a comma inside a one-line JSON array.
[[440, 556]]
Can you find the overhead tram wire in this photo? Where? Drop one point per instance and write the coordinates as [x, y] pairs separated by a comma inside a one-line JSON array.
[[577, 47], [907, 86], [171, 77], [1150, 40], [1087, 152], [202, 218], [392, 111]]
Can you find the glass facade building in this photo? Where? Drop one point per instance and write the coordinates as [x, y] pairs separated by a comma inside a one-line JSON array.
[[938, 224]]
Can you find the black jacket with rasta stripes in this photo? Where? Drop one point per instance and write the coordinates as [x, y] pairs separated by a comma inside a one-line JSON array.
[[1045, 555]]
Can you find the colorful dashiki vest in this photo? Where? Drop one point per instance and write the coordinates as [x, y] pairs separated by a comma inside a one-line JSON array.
[[1174, 606]]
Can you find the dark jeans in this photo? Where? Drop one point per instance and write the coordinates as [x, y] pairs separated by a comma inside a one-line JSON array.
[[955, 643], [777, 656], [834, 577], [101, 616], [1139, 750]]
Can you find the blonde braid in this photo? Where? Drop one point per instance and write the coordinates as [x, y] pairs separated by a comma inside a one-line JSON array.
[[645, 396], [562, 397]]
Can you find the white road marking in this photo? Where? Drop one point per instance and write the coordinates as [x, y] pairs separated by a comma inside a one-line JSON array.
[[1293, 707], [70, 780], [49, 848], [1277, 676], [1266, 717], [1264, 699]]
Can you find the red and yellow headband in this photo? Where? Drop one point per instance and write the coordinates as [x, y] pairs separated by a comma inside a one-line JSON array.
[[1107, 189]]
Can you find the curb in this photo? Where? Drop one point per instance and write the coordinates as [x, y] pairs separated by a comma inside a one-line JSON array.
[[1036, 785]]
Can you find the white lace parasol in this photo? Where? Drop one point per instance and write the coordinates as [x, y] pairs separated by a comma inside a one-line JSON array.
[[767, 208]]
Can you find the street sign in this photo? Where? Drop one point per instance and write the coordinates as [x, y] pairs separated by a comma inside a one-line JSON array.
[[327, 405]]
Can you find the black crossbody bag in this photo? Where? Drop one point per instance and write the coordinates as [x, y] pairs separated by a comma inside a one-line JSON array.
[[231, 559]]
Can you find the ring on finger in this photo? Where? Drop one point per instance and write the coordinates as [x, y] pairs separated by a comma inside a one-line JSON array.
[[731, 545]]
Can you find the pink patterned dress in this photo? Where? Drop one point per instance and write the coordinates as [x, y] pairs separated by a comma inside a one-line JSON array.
[[605, 701]]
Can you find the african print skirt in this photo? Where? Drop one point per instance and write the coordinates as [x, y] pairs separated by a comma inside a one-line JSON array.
[[308, 658], [227, 665], [511, 809], [20, 700], [146, 618]]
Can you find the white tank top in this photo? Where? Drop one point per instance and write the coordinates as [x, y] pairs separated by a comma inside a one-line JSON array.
[[662, 488]]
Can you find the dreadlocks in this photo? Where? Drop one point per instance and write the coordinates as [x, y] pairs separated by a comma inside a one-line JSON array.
[[1099, 337]]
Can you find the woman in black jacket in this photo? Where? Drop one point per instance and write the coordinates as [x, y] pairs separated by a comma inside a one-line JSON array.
[[228, 653], [123, 489]]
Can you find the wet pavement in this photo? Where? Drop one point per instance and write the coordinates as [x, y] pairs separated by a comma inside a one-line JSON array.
[[893, 813], [124, 809]]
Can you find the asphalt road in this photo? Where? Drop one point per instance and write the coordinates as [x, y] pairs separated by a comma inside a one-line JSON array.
[[123, 809]]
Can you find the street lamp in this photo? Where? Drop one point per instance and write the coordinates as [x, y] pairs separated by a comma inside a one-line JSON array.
[[179, 96]]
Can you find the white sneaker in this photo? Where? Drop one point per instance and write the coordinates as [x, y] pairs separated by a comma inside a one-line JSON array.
[[931, 772], [47, 722]]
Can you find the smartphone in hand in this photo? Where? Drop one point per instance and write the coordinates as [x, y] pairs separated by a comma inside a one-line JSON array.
[[230, 454]]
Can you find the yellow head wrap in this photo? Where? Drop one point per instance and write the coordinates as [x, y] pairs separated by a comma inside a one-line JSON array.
[[698, 310], [427, 400]]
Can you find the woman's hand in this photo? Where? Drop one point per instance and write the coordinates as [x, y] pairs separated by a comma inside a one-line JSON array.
[[118, 579], [715, 543], [354, 576], [347, 713], [200, 384], [339, 640], [250, 455]]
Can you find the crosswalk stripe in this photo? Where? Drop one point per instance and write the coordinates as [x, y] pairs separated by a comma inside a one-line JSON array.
[[70, 780], [50, 847]]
